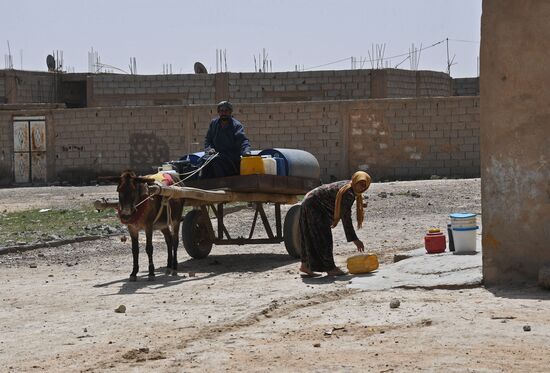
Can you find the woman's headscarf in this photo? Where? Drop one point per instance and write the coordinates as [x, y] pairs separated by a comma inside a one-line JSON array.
[[356, 178]]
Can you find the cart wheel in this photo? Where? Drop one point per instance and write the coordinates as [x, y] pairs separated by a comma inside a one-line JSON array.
[[291, 232], [195, 236]]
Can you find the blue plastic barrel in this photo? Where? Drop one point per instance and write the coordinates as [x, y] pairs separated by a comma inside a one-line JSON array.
[[297, 162]]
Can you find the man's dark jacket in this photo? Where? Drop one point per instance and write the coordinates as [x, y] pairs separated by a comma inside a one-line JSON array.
[[229, 140]]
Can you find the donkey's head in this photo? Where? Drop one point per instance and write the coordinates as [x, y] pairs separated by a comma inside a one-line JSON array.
[[131, 190]]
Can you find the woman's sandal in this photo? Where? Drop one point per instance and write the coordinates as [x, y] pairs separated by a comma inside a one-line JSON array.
[[336, 272], [306, 272]]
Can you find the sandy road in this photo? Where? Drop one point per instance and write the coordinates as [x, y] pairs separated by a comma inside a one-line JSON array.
[[246, 308]]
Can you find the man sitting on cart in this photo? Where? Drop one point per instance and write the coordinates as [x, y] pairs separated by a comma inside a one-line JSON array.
[[226, 138]]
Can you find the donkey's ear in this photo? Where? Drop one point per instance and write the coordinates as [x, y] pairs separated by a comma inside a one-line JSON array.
[[109, 178], [146, 180]]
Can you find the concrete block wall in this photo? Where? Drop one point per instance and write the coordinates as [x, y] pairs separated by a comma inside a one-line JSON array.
[[316, 127], [107, 90], [466, 87], [415, 138], [400, 83], [6, 148], [102, 141], [138, 90], [3, 98], [33, 87], [407, 83], [91, 142], [27, 87], [299, 86], [433, 84], [146, 90], [390, 138]]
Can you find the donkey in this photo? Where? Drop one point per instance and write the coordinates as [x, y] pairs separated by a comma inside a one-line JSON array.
[[139, 211]]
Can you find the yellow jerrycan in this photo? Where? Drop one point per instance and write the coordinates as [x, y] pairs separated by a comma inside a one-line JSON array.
[[252, 165], [363, 263]]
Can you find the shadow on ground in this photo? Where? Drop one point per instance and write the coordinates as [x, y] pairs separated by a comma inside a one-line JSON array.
[[219, 264], [212, 266], [527, 291]]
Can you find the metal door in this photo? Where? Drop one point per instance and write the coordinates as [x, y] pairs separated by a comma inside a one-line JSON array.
[[29, 146]]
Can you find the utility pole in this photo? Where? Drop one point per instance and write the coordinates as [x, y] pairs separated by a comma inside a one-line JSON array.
[[449, 61]]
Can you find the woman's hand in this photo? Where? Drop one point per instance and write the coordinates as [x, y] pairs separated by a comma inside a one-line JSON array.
[[360, 245]]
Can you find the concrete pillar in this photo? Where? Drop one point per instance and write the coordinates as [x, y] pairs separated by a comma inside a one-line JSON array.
[[222, 87], [514, 136], [378, 84], [11, 87], [90, 102]]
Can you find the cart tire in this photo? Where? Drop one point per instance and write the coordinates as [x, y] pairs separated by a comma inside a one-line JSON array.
[[291, 232], [195, 236]]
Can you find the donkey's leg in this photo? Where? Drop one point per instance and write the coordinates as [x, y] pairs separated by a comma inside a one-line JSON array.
[[175, 242], [168, 238], [134, 235], [149, 251]]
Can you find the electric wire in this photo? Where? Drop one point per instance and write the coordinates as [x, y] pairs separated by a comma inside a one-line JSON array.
[[371, 60]]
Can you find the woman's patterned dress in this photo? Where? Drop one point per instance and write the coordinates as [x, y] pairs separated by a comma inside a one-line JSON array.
[[315, 224]]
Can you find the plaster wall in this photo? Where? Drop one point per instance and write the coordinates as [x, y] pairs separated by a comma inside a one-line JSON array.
[[515, 128]]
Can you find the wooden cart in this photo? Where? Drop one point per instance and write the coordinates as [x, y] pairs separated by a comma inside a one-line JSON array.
[[198, 233]]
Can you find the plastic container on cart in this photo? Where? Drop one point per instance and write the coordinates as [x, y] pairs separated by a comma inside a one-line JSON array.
[[252, 165], [297, 162], [281, 166], [270, 166]]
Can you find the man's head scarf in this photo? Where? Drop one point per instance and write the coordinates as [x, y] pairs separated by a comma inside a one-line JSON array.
[[356, 178]]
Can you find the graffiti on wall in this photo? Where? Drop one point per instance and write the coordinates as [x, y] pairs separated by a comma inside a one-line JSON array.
[[147, 151]]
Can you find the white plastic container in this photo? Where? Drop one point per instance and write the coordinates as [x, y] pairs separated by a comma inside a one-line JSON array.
[[464, 228], [465, 240], [165, 167], [270, 165], [463, 220], [464, 223]]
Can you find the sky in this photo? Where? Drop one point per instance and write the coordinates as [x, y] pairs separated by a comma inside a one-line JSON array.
[[310, 35]]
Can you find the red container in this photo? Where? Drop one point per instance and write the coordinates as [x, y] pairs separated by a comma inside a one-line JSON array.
[[434, 241]]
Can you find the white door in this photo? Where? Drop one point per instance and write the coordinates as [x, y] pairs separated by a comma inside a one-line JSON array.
[[29, 146]]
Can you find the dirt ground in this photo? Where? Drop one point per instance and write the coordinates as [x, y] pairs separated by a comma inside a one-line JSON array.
[[247, 309]]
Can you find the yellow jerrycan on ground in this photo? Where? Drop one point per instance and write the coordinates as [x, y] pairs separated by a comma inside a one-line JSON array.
[[363, 263]]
